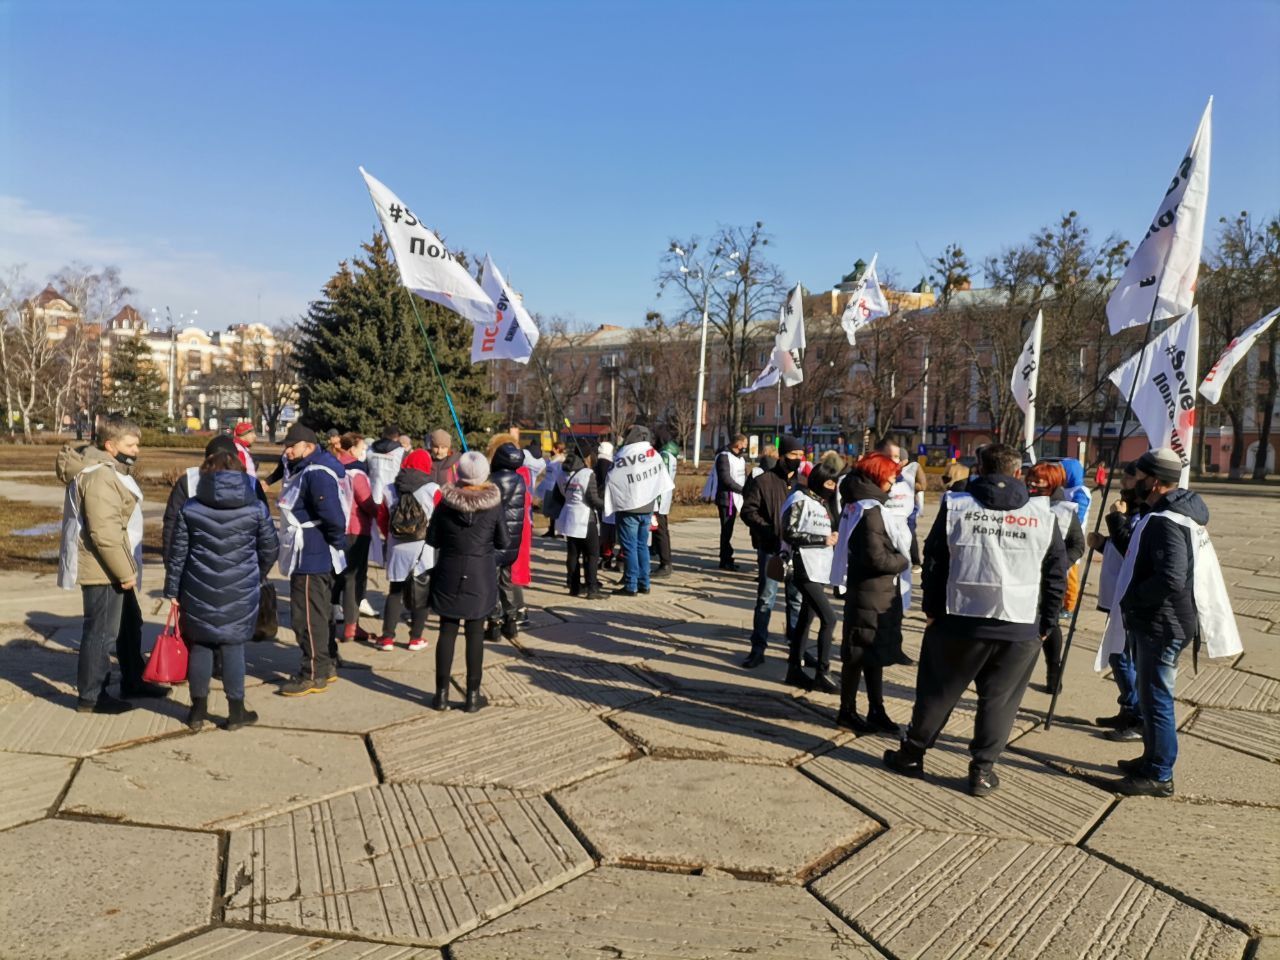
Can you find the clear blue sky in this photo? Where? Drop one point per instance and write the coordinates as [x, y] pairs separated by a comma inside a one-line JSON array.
[[210, 148]]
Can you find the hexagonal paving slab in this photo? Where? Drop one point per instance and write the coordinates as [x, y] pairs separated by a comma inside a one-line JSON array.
[[608, 642], [921, 894], [51, 725], [405, 863], [566, 684], [639, 914], [217, 779], [1257, 734], [532, 751], [695, 814], [73, 889], [1239, 876], [29, 784], [1034, 802], [234, 944], [764, 729]]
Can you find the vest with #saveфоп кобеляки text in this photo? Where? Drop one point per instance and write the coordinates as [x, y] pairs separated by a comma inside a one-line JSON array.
[[575, 517], [996, 558]]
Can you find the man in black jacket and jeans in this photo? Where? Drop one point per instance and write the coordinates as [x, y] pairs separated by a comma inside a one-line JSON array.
[[731, 478], [762, 513], [995, 571]]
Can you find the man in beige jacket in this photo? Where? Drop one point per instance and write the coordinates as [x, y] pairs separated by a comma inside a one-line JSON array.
[[102, 554]]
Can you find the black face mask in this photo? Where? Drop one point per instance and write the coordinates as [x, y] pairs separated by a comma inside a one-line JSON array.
[[791, 466], [125, 461], [1144, 489]]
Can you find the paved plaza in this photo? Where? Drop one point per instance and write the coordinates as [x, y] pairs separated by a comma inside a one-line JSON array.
[[630, 792]]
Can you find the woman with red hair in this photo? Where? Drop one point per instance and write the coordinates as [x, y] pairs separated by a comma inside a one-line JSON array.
[[1046, 479], [403, 516], [876, 550]]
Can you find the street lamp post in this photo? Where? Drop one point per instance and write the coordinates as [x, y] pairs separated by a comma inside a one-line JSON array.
[[708, 277]]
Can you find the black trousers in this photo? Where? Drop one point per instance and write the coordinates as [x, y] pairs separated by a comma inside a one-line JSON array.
[[662, 542], [395, 606], [474, 634], [728, 517], [948, 664], [813, 602], [349, 586], [510, 595], [583, 552], [856, 663], [111, 615], [311, 610], [1052, 647]]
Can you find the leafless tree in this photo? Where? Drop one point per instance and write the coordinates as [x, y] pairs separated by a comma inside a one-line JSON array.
[[663, 366], [263, 371]]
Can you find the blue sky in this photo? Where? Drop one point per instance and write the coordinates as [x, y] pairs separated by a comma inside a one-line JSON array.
[[210, 149]]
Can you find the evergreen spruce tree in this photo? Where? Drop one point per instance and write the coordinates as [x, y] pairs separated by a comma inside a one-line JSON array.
[[135, 386], [362, 361]]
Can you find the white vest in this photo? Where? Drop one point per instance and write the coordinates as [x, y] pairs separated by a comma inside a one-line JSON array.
[[894, 526], [575, 518], [291, 535], [383, 468], [813, 520], [664, 502], [902, 495], [73, 529], [737, 470], [1218, 630], [405, 560], [996, 558], [1112, 563]]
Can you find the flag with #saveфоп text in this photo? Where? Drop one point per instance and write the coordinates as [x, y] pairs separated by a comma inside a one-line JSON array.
[[781, 366], [867, 303], [1164, 400], [1160, 279], [1216, 378], [1026, 375], [791, 322], [513, 334], [426, 266]]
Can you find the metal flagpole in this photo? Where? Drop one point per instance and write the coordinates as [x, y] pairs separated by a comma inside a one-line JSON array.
[[1097, 524]]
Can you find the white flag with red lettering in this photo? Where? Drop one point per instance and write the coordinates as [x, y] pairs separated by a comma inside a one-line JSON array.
[[426, 265], [1164, 400], [867, 303], [1160, 280], [512, 335], [1026, 375], [1216, 378], [790, 334]]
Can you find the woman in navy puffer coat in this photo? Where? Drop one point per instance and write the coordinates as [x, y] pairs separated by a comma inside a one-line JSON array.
[[223, 545]]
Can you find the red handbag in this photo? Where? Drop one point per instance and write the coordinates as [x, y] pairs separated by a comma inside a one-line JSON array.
[[168, 662]]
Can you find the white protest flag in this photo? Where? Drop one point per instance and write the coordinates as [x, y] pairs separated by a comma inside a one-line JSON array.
[[1216, 378], [1026, 375], [781, 366], [791, 322], [426, 266], [1161, 278], [1164, 399], [513, 334], [867, 303]]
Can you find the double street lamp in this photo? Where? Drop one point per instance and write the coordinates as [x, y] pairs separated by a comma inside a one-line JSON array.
[[708, 276]]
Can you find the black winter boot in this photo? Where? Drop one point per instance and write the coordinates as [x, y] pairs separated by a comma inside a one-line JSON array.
[[879, 720], [491, 630], [441, 702], [822, 682], [198, 713], [474, 701], [238, 716], [510, 626], [796, 677]]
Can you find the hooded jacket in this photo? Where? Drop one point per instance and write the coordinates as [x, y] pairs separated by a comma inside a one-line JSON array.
[[178, 497], [1073, 541], [468, 533], [320, 501], [507, 460], [1074, 486], [592, 496], [105, 506], [224, 542], [1160, 601], [762, 506], [995, 492], [873, 604]]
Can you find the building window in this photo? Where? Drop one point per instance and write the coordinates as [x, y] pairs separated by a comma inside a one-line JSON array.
[[759, 410], [908, 412], [586, 411]]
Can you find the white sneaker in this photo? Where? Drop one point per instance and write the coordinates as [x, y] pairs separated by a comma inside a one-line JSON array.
[[366, 610], [418, 644]]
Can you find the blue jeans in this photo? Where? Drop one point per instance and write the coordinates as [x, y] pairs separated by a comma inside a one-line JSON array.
[[633, 537], [200, 670], [1157, 663], [766, 596], [111, 615], [1126, 677]]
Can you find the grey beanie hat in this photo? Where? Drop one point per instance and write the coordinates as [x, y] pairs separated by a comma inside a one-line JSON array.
[[473, 468], [1161, 463]]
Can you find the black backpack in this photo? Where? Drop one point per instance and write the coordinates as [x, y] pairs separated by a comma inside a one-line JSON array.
[[408, 519]]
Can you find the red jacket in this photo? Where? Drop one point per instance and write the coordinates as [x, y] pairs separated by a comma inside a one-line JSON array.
[[363, 510], [521, 570]]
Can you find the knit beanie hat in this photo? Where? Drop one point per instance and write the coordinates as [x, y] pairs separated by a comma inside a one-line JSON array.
[[441, 438], [788, 444], [473, 468], [220, 444], [1161, 463]]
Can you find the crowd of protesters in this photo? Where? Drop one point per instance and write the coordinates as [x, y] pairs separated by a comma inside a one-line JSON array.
[[836, 538]]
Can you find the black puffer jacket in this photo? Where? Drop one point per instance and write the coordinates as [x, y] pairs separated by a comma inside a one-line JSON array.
[[223, 545], [1160, 602], [762, 505], [995, 492], [507, 459], [468, 534], [873, 605]]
